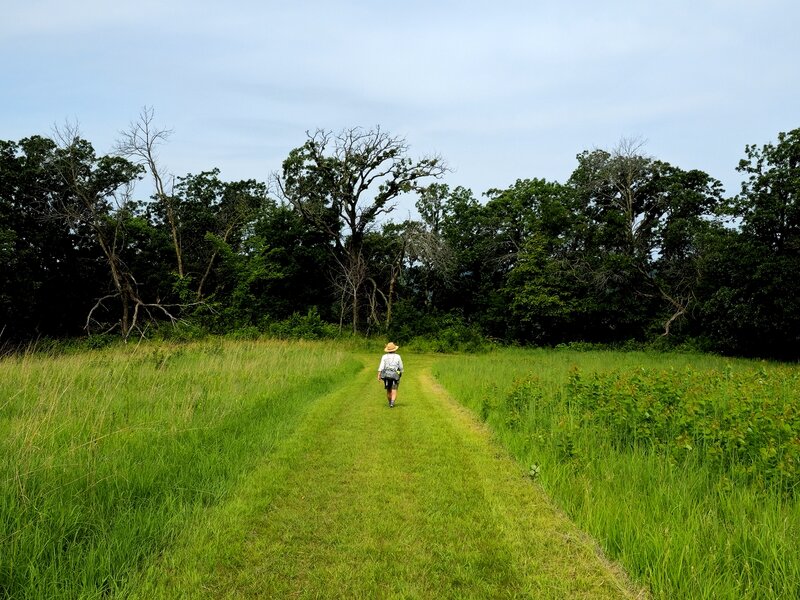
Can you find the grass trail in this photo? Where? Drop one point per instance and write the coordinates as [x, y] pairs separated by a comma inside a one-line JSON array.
[[370, 502]]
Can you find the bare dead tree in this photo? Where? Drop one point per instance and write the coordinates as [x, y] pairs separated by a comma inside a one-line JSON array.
[[427, 247], [99, 199], [410, 243], [349, 282], [374, 299], [140, 143]]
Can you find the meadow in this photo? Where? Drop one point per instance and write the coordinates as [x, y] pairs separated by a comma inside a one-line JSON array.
[[117, 462], [684, 467], [108, 455]]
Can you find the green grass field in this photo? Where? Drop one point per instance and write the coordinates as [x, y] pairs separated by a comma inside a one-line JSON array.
[[684, 467], [275, 469], [108, 455], [364, 501]]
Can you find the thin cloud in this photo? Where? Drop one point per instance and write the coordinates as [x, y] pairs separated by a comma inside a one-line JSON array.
[[503, 90]]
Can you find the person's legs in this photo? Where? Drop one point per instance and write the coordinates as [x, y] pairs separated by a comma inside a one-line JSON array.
[[391, 390], [387, 383]]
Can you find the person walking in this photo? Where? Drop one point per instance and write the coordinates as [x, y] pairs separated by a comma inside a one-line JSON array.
[[390, 370]]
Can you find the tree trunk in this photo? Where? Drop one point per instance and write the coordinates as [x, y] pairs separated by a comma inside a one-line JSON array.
[[199, 295], [389, 299], [171, 218], [126, 311], [355, 308]]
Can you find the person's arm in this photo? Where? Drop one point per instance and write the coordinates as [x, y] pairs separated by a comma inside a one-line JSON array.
[[400, 361], [380, 366]]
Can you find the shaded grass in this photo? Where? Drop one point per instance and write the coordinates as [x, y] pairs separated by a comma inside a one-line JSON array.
[[680, 527], [110, 454]]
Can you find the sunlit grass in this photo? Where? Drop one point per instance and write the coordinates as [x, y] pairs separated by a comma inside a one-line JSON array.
[[232, 464], [107, 454], [679, 526], [364, 501]]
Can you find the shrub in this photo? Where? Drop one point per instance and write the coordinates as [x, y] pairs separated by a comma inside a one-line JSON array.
[[741, 423], [454, 335], [306, 327], [245, 333]]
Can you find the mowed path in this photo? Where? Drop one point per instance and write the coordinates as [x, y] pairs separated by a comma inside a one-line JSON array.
[[364, 501]]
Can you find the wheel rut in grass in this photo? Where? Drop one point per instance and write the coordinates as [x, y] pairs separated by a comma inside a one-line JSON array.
[[415, 501]]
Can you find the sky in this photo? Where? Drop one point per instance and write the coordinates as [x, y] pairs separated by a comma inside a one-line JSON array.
[[502, 90]]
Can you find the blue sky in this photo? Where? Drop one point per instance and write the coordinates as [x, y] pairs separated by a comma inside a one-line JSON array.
[[503, 90]]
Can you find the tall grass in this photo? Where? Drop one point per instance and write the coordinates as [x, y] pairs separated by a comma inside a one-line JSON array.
[[107, 454], [690, 504]]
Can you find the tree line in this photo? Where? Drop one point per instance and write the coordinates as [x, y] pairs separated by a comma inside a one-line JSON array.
[[629, 247]]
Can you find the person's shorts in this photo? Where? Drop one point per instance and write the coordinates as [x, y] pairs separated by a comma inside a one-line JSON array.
[[391, 384]]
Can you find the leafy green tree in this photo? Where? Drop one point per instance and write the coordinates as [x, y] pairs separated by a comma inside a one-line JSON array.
[[280, 268], [642, 219], [341, 184], [769, 202], [460, 224], [548, 298], [680, 241], [503, 225], [752, 297], [491, 241], [49, 272], [211, 216]]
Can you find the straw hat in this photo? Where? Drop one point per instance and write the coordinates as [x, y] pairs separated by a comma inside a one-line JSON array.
[[391, 347]]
